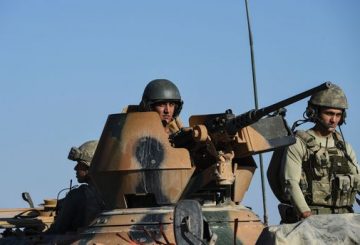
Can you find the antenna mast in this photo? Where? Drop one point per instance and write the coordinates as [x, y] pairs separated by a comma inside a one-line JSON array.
[[256, 107]]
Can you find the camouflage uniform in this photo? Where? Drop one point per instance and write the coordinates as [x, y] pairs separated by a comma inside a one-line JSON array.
[[81, 205], [298, 184], [321, 173]]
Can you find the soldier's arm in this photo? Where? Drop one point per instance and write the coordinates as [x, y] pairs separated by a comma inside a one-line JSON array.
[[63, 221], [353, 158], [292, 172]]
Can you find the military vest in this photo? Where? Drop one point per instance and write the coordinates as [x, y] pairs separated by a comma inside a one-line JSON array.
[[327, 178]]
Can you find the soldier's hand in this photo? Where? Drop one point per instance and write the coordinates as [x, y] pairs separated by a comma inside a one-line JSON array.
[[305, 214]]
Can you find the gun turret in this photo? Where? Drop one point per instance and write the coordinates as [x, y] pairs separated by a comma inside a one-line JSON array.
[[136, 166], [221, 145]]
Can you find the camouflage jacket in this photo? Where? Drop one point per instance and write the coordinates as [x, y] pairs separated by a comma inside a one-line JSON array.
[[297, 156]]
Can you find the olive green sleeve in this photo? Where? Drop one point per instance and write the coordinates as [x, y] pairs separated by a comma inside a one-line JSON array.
[[352, 155], [292, 172]]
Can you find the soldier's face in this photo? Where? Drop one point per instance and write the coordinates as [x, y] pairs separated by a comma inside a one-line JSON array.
[[82, 171], [165, 109], [331, 117]]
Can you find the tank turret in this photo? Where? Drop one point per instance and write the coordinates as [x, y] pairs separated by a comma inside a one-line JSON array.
[[206, 166], [184, 188], [135, 164]]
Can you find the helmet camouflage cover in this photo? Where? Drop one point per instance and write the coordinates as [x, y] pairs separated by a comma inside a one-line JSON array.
[[161, 90], [84, 153], [334, 97]]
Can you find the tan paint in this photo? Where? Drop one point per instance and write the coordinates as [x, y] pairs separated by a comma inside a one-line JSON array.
[[243, 177], [124, 222], [39, 217], [251, 142], [117, 172]]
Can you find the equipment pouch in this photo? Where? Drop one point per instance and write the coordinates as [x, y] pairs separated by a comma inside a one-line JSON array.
[[355, 187], [320, 193], [321, 163], [355, 182], [340, 165], [342, 188]]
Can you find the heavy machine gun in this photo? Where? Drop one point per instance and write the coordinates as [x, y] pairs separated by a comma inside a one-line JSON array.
[[228, 123], [221, 142]]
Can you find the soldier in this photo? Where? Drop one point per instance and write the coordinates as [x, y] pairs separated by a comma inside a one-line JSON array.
[[321, 173], [162, 96], [82, 204]]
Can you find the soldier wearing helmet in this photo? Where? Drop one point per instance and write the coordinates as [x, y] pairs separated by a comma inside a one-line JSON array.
[[321, 173], [327, 102], [81, 204], [162, 96]]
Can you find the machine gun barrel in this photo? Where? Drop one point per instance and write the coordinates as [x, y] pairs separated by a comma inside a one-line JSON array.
[[252, 116]]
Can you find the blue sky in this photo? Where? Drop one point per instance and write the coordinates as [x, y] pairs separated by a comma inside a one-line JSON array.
[[66, 65]]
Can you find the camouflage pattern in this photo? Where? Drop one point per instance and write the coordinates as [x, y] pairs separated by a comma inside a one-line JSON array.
[[231, 224], [328, 178], [134, 160], [84, 153], [161, 90], [239, 225], [333, 97]]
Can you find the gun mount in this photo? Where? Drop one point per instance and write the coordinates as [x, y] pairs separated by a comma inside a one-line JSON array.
[[221, 143]]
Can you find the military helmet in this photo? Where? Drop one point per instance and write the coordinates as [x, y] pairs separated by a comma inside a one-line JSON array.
[[84, 153], [161, 90], [334, 97]]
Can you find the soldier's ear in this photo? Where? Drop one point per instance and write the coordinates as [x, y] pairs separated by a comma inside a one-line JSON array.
[[311, 112], [342, 120]]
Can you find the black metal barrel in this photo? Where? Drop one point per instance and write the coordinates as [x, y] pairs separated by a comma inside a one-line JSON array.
[[252, 116]]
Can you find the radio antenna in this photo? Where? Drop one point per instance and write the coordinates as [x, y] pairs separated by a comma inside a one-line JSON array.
[[256, 107]]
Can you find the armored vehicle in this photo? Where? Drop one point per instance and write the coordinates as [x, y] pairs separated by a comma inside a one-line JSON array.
[[184, 188]]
